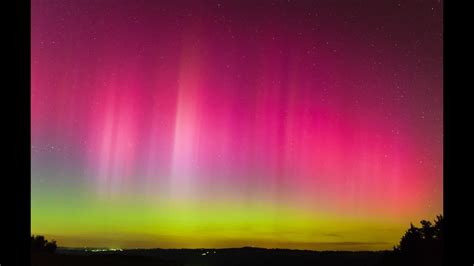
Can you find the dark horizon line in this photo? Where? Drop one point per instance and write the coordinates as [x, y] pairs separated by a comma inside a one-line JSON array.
[[110, 249]]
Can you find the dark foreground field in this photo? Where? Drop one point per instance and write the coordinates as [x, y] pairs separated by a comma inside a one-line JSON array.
[[237, 256]]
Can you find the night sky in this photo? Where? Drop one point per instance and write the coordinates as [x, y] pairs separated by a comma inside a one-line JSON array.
[[288, 124]]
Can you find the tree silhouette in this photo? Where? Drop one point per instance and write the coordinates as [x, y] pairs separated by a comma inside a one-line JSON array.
[[40, 244], [422, 244]]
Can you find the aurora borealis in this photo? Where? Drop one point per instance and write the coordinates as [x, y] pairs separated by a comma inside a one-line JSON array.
[[288, 124]]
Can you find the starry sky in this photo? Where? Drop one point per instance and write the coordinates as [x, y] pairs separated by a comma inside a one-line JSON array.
[[279, 124]]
